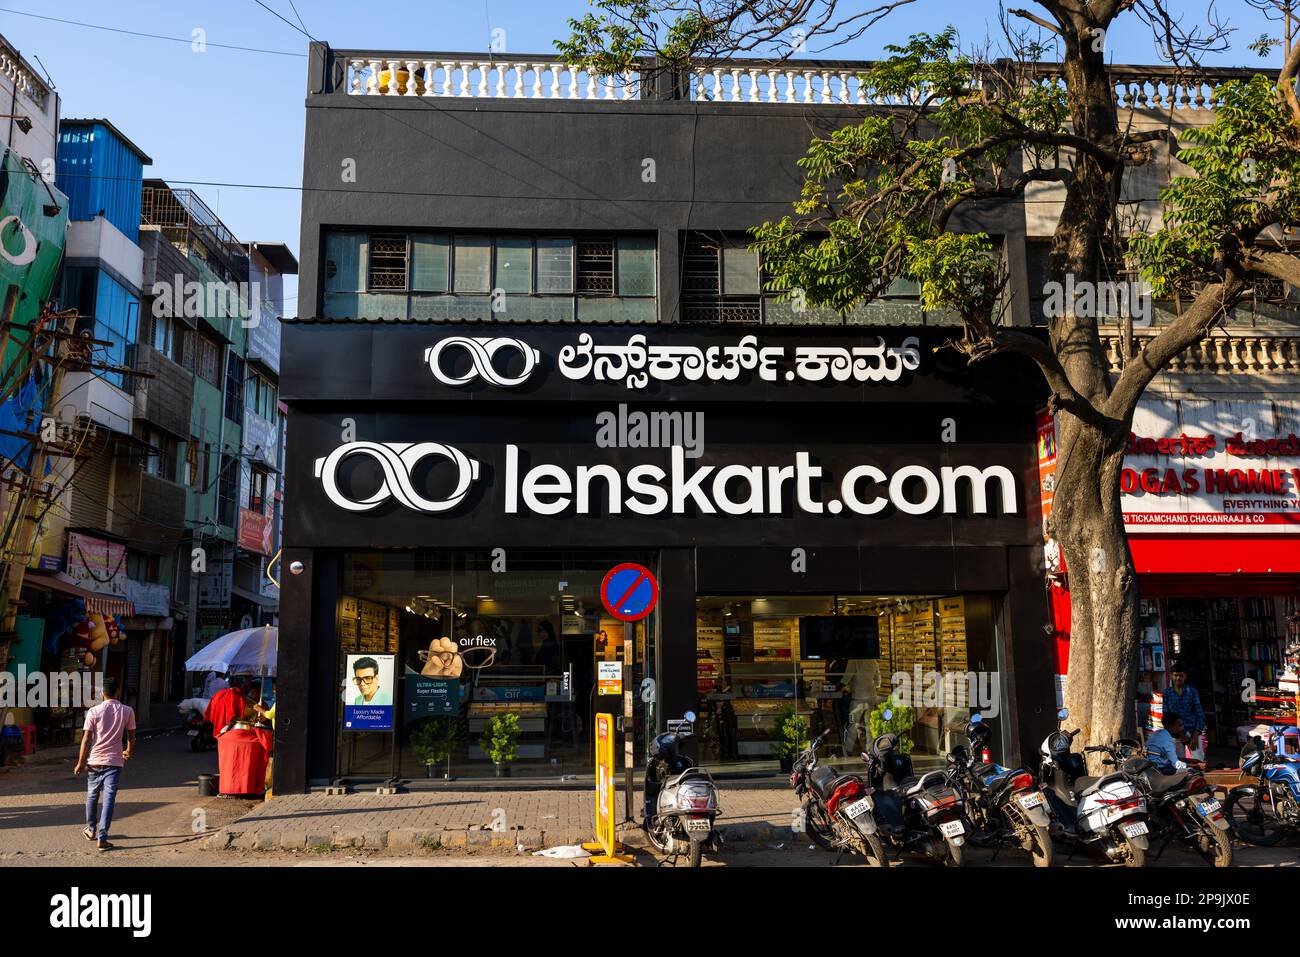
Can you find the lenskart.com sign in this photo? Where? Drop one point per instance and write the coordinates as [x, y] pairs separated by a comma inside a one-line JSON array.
[[683, 485], [507, 362]]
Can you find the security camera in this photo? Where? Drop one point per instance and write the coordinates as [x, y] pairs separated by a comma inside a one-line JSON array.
[[295, 568], [23, 123]]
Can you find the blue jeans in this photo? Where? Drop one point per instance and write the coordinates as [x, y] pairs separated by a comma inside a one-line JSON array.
[[104, 781]]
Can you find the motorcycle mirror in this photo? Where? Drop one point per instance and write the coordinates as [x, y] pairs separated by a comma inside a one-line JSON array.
[[689, 716], [1063, 713]]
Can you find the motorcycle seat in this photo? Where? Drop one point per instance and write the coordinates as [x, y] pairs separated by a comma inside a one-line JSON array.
[[1161, 783], [1086, 785], [691, 774]]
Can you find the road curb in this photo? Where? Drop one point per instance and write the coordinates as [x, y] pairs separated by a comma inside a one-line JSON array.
[[412, 839]]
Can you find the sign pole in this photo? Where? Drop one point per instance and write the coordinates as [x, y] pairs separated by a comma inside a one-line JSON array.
[[629, 737]]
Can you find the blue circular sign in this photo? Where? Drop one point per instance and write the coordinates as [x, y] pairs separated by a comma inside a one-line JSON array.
[[629, 591]]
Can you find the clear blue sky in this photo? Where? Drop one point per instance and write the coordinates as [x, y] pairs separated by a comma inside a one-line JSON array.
[[231, 116]]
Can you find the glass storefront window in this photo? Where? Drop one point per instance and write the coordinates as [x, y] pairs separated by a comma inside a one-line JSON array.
[[837, 663], [526, 642]]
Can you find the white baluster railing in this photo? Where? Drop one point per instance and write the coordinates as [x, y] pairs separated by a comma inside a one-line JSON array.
[[722, 82]]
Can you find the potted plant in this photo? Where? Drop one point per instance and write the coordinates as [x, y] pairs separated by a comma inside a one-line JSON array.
[[433, 741], [500, 741], [791, 732], [900, 720]]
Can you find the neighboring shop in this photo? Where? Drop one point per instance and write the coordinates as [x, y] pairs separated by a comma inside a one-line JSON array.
[[832, 516], [1211, 498]]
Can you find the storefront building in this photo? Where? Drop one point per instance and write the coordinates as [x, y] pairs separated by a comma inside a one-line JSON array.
[[824, 510], [1211, 498]]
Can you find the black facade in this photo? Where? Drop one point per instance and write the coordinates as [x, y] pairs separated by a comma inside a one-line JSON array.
[[819, 460]]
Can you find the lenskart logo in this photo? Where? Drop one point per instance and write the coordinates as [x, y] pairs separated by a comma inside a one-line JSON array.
[[681, 489], [398, 461], [482, 353]]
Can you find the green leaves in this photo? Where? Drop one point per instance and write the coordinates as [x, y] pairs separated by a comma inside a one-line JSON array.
[[878, 194], [1245, 177]]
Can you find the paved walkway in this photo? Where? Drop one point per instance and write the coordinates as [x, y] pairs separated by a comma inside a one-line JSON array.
[[161, 820], [445, 818]]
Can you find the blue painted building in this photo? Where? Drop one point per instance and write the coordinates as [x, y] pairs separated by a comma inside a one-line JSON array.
[[101, 172]]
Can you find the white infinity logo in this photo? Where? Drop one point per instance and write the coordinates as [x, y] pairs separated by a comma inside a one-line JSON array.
[[482, 351], [398, 460], [28, 253]]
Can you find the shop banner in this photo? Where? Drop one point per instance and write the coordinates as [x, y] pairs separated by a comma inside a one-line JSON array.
[[670, 475], [97, 565], [33, 229], [149, 598], [368, 693], [633, 362], [255, 531], [1195, 466]]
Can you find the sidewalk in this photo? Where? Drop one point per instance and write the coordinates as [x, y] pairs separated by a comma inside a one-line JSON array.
[[458, 819]]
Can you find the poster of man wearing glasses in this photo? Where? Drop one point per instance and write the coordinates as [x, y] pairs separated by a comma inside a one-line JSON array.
[[368, 693]]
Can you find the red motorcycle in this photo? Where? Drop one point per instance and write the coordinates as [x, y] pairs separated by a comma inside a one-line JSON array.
[[836, 809]]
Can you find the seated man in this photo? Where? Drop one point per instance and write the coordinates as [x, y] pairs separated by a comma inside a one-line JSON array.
[[1163, 745]]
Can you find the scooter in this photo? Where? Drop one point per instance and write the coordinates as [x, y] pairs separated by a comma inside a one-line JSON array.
[[1004, 805], [924, 815], [836, 809], [1106, 812], [681, 800]]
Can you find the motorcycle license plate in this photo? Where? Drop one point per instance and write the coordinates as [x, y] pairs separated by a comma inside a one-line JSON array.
[[952, 828], [695, 825], [1032, 799], [192, 734], [1136, 829], [858, 808], [1209, 807]]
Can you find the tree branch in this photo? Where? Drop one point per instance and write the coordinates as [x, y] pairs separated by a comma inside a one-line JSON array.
[[994, 340], [1276, 264], [1209, 307], [1032, 18]]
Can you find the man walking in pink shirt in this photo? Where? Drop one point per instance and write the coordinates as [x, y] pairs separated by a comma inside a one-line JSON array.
[[103, 756]]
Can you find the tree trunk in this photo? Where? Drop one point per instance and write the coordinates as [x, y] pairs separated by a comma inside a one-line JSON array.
[[1104, 637]]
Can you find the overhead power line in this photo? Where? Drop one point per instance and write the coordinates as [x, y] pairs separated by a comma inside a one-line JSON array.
[[151, 36]]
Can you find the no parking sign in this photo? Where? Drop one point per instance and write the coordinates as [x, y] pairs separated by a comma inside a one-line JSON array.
[[629, 591]]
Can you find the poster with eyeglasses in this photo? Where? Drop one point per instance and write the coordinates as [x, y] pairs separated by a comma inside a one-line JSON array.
[[368, 688]]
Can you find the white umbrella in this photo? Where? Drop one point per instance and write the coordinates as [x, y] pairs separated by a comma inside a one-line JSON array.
[[247, 651]]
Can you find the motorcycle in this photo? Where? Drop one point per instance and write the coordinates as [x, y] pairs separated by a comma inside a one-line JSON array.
[[1180, 806], [1004, 805], [681, 800], [923, 814], [199, 731], [1107, 811], [1265, 812], [836, 809]]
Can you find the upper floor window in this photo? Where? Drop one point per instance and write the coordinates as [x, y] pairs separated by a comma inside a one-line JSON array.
[[723, 280], [235, 389], [502, 276], [207, 359], [259, 396]]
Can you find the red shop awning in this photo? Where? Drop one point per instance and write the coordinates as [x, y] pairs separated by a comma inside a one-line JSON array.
[[96, 603], [1216, 554]]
